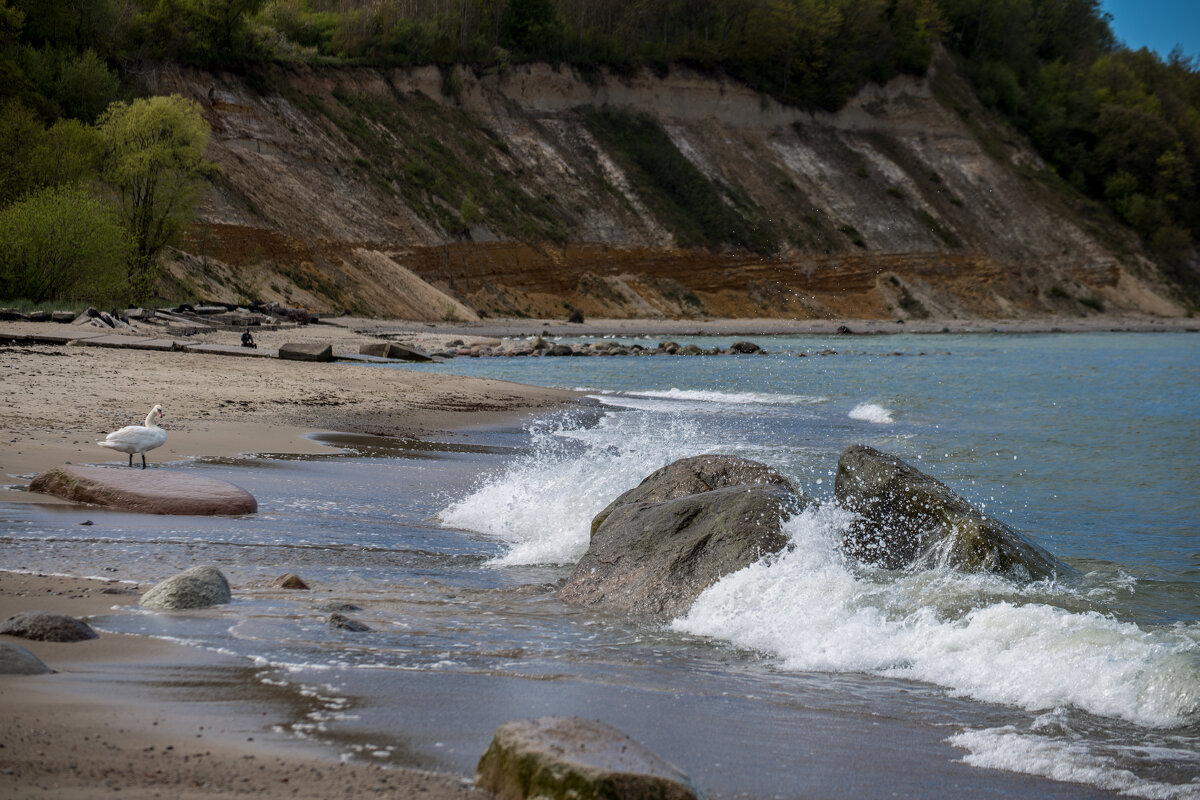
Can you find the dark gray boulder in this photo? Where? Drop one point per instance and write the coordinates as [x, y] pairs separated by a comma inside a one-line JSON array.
[[744, 347], [658, 546], [156, 491], [341, 622], [906, 518], [692, 476], [16, 660], [198, 587], [45, 627], [569, 757], [306, 352]]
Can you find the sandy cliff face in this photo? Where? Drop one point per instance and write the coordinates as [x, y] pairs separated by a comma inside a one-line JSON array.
[[375, 191]]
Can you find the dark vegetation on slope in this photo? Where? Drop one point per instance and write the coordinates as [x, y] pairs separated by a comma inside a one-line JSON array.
[[1120, 126]]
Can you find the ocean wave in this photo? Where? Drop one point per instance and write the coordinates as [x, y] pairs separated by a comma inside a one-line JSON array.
[[870, 412], [978, 635]]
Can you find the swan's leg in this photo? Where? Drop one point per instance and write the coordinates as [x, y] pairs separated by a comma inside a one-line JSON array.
[[131, 459], [143, 459]]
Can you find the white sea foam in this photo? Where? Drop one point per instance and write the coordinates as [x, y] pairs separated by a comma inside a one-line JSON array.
[[870, 412], [1010, 749], [542, 505], [977, 635]]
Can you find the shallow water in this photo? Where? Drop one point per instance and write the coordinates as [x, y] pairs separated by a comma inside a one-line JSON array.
[[803, 676]]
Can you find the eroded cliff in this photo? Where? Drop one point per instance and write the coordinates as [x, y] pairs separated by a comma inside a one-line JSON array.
[[422, 195]]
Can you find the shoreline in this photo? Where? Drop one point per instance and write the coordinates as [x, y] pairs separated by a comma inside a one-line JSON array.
[[108, 720], [114, 717]]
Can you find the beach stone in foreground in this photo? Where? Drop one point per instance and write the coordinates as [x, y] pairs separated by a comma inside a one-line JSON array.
[[46, 627], [306, 351], [16, 660], [580, 759], [147, 491], [651, 557], [198, 587], [908, 518]]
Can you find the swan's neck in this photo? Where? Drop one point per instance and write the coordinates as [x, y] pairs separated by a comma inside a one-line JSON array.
[[150, 420]]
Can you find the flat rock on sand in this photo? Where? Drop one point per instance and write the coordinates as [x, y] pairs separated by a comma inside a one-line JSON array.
[[151, 492]]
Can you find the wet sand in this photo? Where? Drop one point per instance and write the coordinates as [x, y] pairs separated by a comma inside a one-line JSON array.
[[132, 716]]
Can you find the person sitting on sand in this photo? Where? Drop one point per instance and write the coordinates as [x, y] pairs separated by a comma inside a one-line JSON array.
[[247, 339]]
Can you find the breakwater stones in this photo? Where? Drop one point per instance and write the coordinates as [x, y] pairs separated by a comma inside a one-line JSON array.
[[306, 351], [655, 548], [146, 491], [571, 757], [198, 587], [537, 346], [907, 518]]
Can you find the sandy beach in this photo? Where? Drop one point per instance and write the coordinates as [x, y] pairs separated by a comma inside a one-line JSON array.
[[91, 729]]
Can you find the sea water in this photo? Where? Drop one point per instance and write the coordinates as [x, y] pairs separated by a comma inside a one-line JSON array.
[[804, 674]]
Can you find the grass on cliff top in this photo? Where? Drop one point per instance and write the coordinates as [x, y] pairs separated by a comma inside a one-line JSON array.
[[699, 212]]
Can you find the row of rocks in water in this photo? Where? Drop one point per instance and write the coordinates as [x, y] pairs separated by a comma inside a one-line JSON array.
[[655, 548], [537, 346]]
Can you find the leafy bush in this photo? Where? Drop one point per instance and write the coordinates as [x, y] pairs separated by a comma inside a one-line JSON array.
[[62, 243]]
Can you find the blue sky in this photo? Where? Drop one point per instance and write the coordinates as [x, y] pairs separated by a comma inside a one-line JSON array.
[[1157, 24]]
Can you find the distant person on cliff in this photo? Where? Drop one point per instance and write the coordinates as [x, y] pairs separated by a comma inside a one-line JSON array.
[[247, 339]]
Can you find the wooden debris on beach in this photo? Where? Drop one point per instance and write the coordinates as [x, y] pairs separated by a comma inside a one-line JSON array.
[[156, 491], [572, 757]]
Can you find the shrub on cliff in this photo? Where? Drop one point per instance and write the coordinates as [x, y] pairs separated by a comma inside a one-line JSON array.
[[62, 243]]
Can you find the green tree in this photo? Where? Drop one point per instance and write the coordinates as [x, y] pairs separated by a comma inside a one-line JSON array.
[[62, 243], [154, 158]]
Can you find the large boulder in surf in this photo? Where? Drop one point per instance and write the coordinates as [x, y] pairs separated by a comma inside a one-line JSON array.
[[146, 491], [43, 626], [679, 532], [198, 587], [907, 518], [570, 757], [695, 475]]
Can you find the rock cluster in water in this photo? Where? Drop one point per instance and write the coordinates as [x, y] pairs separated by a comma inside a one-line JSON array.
[[906, 518], [569, 757], [537, 346], [662, 543]]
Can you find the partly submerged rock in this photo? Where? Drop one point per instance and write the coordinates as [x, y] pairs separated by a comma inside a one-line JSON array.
[[908, 518], [684, 528], [289, 580], [16, 660], [46, 627], [198, 587], [570, 757], [155, 491], [306, 351], [341, 622], [692, 476]]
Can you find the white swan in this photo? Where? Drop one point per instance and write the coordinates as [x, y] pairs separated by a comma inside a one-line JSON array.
[[137, 438]]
